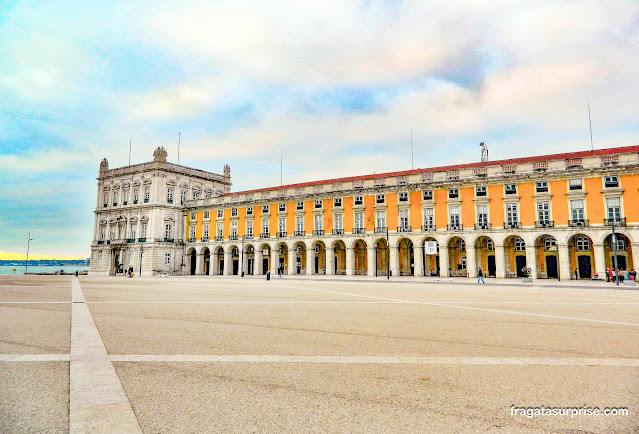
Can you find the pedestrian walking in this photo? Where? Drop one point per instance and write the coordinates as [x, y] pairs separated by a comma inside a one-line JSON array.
[[576, 275], [480, 276], [607, 275]]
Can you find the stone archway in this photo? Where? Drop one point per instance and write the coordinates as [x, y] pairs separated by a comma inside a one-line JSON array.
[[382, 257], [625, 260], [206, 270], [406, 257], [192, 255], [514, 257], [581, 256], [359, 257], [300, 258], [431, 262], [265, 266], [339, 257], [457, 257], [319, 258], [485, 256], [546, 257]]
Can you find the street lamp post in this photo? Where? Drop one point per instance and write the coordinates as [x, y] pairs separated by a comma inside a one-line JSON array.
[[613, 240], [242, 259], [387, 255], [26, 263]]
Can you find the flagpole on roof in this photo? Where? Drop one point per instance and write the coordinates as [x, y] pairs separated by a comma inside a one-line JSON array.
[[412, 154], [592, 147]]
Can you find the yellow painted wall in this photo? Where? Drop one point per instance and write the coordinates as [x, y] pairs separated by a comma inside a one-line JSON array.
[[495, 192], [594, 200], [290, 218], [328, 216], [441, 209], [415, 209], [348, 218], [257, 225], [391, 211], [369, 213], [466, 194], [527, 213], [241, 223], [198, 225], [272, 224], [559, 202], [226, 229], [630, 184]]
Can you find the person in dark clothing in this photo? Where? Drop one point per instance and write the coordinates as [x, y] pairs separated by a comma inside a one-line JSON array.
[[576, 275], [480, 276]]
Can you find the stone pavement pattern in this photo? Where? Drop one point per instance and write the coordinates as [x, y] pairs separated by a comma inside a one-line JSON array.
[[232, 354]]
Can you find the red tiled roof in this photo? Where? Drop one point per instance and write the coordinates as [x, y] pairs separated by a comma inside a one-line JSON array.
[[523, 160]]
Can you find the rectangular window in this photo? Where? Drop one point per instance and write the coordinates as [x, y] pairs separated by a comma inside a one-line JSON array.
[[454, 217], [169, 195], [380, 220], [543, 212], [220, 213], [249, 210], [359, 200], [453, 193], [143, 230], [429, 218], [299, 206], [338, 221], [168, 231], [234, 229], [192, 232], [611, 181], [299, 225], [490, 245], [482, 215], [205, 231], [583, 244], [480, 190], [219, 230], [359, 220], [404, 225], [115, 198], [541, 186], [207, 215], [613, 207], [318, 222], [264, 209], [106, 200], [182, 197], [193, 216], [512, 213], [112, 234], [146, 194], [577, 209], [281, 207], [318, 203], [136, 196], [550, 244], [233, 212], [510, 188], [520, 245], [403, 196], [125, 197], [427, 195], [281, 225], [337, 202], [380, 198], [133, 230], [167, 259], [249, 228], [196, 195], [574, 184], [102, 233]]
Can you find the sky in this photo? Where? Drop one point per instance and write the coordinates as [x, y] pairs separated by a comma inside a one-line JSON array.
[[334, 86]]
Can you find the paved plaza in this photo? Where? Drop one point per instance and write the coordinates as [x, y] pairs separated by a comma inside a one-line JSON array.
[[230, 354]]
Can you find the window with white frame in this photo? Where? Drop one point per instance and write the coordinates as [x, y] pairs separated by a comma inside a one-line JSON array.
[[234, 229], [281, 207], [220, 213], [281, 225], [264, 209], [207, 215], [192, 232], [125, 197], [510, 188], [550, 244], [318, 222], [462, 245], [490, 245], [167, 259], [233, 212], [512, 213], [582, 244], [182, 197], [541, 186], [404, 225], [168, 230], [613, 208], [427, 195], [249, 228], [299, 224], [338, 222], [480, 190], [193, 216], [115, 198], [454, 216], [265, 226], [318, 203], [136, 196], [403, 196], [543, 211], [453, 193], [112, 234], [577, 209], [146, 194], [520, 245], [102, 233], [380, 219], [611, 181], [169, 195], [249, 210], [462, 262], [196, 194], [299, 205], [205, 230], [380, 198], [620, 243], [337, 202], [574, 184], [359, 200], [219, 230], [482, 215], [143, 230], [359, 221], [429, 217]]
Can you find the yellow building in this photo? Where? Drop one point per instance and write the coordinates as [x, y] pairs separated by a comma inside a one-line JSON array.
[[552, 214]]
